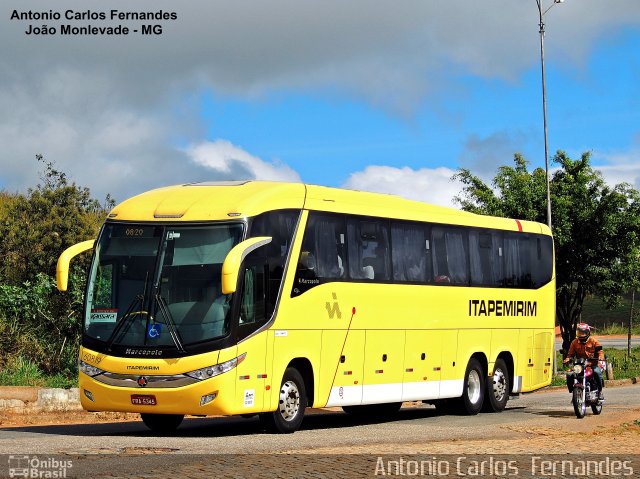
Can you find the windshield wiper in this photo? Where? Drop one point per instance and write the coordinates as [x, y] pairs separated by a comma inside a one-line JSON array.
[[171, 324], [127, 318]]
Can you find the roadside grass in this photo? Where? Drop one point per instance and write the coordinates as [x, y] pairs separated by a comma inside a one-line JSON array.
[[624, 367], [595, 313], [617, 329], [19, 371]]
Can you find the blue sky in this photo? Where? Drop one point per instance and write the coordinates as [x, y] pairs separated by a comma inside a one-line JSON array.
[[391, 97], [595, 108]]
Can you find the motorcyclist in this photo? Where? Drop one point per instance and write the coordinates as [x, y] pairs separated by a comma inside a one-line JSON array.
[[584, 346]]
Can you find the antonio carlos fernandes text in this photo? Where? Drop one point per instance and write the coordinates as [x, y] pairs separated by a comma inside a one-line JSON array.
[[489, 466]]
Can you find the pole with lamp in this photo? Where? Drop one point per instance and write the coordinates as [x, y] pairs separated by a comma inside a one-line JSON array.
[[542, 13]]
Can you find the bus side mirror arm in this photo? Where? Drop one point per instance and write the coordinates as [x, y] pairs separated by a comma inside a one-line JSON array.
[[62, 268], [235, 257]]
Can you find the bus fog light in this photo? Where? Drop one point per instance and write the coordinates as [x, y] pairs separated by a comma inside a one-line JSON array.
[[88, 395], [204, 400]]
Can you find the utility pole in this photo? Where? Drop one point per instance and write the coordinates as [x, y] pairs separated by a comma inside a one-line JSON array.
[[542, 13], [633, 298]]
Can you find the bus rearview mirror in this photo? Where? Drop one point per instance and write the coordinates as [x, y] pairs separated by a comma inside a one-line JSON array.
[[62, 268], [235, 257]]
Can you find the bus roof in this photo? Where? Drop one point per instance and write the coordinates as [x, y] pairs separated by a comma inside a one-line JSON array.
[[224, 200]]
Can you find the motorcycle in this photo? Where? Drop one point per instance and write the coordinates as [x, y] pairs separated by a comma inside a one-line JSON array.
[[582, 383]]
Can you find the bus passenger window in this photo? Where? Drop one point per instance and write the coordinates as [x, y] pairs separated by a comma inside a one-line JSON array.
[[485, 249], [322, 256], [541, 261], [450, 256], [517, 260], [368, 249], [409, 253]]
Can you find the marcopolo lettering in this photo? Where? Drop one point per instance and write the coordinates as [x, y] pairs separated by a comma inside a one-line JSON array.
[[491, 307]]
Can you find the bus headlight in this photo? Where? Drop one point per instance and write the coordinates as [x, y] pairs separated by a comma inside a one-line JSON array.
[[577, 368], [212, 371], [88, 369]]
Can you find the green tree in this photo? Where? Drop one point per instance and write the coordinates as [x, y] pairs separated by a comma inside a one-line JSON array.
[[37, 323], [596, 227], [35, 228]]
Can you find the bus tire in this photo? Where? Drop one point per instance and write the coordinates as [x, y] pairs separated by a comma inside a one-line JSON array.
[[292, 402], [162, 423], [497, 388], [473, 388]]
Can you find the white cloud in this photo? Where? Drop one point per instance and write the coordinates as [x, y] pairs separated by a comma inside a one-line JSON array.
[[621, 168], [429, 185], [232, 162]]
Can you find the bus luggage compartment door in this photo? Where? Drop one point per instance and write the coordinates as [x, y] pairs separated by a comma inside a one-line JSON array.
[[383, 366]]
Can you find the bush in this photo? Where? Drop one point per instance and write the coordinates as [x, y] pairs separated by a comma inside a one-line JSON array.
[[40, 325]]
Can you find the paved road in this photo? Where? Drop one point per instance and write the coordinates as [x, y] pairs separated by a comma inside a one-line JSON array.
[[530, 424]]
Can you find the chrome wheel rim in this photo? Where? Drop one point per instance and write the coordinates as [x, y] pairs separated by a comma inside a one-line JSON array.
[[474, 386], [289, 400], [499, 385]]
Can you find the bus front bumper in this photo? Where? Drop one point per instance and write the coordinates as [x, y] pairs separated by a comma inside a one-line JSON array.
[[214, 396]]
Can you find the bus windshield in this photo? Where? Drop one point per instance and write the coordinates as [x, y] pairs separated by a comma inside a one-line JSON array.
[[159, 286]]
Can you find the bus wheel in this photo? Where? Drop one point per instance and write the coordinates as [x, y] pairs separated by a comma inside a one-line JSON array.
[[473, 389], [497, 389], [163, 423], [291, 404]]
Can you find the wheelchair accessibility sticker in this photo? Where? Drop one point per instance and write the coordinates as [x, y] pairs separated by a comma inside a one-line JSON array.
[[154, 330]]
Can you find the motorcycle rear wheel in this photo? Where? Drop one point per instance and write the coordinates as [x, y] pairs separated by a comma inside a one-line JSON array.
[[579, 405]]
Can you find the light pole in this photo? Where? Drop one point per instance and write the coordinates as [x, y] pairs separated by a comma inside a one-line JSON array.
[[546, 141], [544, 104]]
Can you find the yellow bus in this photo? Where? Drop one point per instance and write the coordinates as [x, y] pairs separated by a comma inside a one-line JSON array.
[[243, 298]]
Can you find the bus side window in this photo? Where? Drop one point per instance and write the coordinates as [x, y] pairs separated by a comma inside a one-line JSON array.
[[328, 244], [526, 246], [485, 255], [517, 260], [368, 241], [512, 264], [264, 267], [450, 263], [252, 308], [323, 256], [409, 252], [541, 260]]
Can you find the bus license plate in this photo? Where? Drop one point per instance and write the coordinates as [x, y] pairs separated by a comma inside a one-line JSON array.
[[143, 400]]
